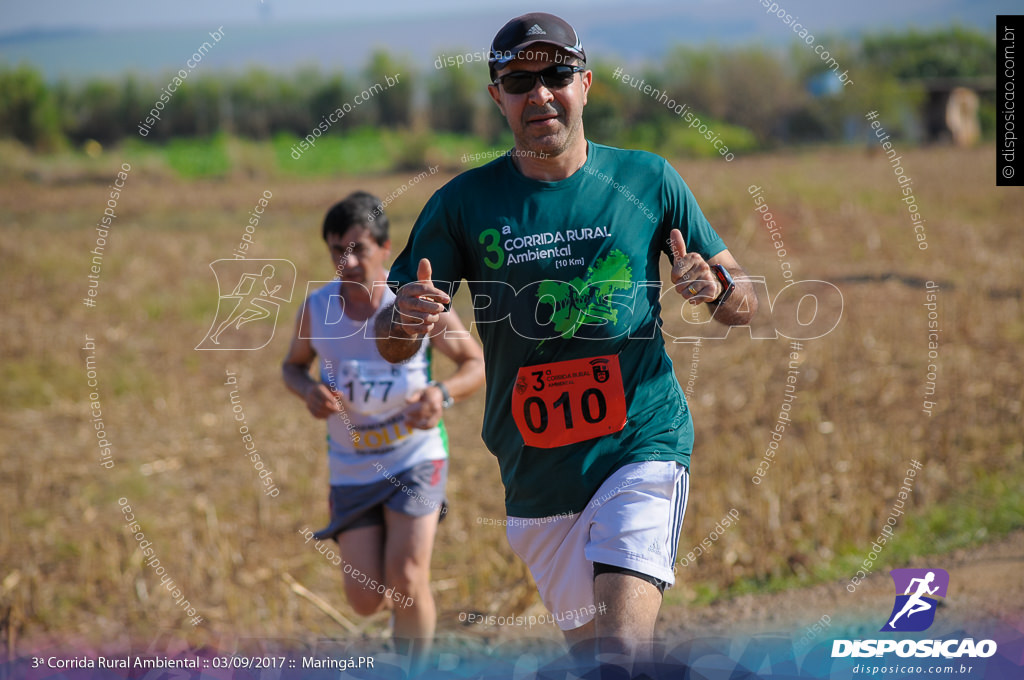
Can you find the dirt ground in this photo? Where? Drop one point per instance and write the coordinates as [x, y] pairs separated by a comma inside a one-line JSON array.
[[985, 583]]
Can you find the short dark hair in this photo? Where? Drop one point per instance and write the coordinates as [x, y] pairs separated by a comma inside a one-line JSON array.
[[358, 209]]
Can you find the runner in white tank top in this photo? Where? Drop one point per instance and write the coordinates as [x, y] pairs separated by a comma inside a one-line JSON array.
[[387, 451], [371, 430]]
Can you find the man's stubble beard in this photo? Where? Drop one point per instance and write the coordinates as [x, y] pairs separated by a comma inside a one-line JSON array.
[[531, 148]]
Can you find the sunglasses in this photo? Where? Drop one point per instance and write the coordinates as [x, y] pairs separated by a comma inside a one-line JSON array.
[[553, 78]]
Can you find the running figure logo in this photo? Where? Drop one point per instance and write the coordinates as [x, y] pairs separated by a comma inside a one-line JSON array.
[[258, 287], [914, 610]]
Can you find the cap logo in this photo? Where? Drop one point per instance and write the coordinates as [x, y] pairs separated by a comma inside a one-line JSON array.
[[536, 30]]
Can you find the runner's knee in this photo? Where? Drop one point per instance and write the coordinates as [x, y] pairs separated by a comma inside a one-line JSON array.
[[363, 600], [407, 575]]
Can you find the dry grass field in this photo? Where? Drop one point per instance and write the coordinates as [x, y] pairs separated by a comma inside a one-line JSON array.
[[69, 569]]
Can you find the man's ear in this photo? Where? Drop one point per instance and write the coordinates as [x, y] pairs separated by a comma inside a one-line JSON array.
[[492, 90], [587, 78]]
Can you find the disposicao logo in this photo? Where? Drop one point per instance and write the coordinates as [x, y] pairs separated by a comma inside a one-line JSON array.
[[914, 610], [252, 298]]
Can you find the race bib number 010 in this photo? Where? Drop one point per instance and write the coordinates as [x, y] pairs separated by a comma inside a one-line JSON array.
[[569, 401]]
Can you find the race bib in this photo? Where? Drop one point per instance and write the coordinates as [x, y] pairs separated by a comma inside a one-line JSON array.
[[372, 387], [566, 402]]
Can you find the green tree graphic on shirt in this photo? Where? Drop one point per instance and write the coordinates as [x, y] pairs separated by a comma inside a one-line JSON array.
[[585, 300]]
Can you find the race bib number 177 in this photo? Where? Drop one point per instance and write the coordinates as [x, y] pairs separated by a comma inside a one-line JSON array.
[[566, 402]]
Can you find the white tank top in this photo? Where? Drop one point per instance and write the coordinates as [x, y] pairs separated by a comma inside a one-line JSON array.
[[370, 433]]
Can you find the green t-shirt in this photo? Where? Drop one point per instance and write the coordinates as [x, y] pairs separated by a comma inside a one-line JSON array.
[[560, 271]]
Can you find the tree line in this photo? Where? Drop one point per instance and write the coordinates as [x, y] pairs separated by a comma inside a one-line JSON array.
[[756, 97]]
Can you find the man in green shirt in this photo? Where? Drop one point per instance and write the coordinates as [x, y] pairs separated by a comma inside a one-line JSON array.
[[560, 242]]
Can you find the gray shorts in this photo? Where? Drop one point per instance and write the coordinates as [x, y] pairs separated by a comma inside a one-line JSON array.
[[417, 491]]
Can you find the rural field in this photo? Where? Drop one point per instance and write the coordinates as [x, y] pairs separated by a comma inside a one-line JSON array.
[[71, 571]]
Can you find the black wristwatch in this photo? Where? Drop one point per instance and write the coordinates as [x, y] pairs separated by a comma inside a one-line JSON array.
[[446, 399], [725, 278]]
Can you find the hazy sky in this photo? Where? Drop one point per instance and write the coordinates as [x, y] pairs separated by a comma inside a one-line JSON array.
[[835, 15], [110, 37]]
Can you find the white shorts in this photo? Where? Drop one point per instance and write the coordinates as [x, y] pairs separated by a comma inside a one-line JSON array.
[[633, 521]]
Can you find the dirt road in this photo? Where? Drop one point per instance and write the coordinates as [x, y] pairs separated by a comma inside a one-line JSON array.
[[985, 584]]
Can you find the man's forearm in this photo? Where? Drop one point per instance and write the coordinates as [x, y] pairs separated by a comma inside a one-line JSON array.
[[466, 379], [296, 379], [391, 344], [741, 305]]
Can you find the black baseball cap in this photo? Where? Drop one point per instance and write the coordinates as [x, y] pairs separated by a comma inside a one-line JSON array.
[[530, 29]]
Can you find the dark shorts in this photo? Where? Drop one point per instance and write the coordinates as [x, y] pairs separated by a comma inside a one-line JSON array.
[[417, 491]]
